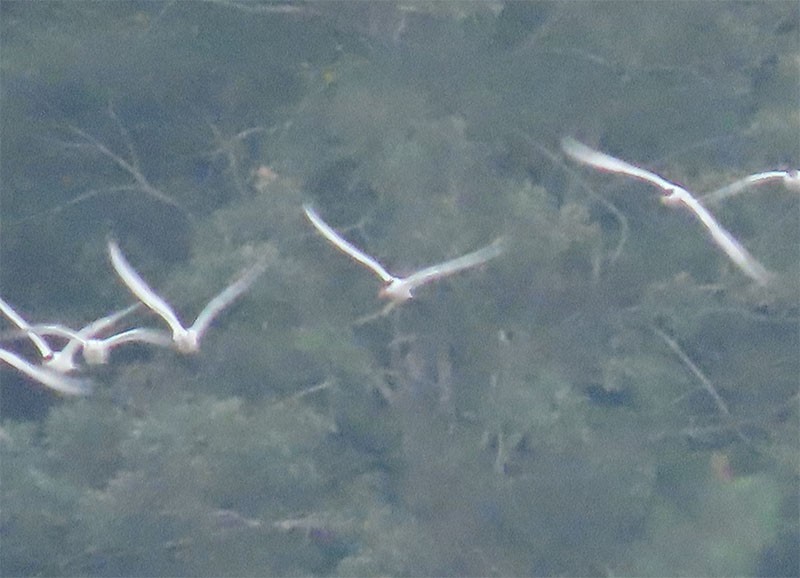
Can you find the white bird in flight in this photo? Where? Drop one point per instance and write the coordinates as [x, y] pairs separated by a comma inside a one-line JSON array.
[[675, 195], [96, 351], [54, 380], [63, 361], [399, 289], [185, 339]]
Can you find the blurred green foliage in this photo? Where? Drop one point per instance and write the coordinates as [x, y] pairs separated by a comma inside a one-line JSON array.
[[530, 417]]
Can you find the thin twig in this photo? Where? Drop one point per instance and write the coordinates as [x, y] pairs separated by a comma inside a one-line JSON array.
[[707, 384], [228, 148], [618, 215]]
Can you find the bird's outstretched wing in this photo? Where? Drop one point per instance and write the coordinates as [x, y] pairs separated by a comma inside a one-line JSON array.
[[227, 296], [588, 156], [727, 242], [41, 344], [737, 187], [98, 326], [345, 246], [138, 335], [141, 289], [455, 265], [50, 379]]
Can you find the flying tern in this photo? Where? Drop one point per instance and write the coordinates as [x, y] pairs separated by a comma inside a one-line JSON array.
[[185, 339], [674, 195], [96, 351], [85, 340], [51, 379], [399, 289]]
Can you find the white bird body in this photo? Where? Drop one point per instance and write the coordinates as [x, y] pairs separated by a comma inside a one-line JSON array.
[[51, 379], [399, 289], [674, 195], [185, 339]]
